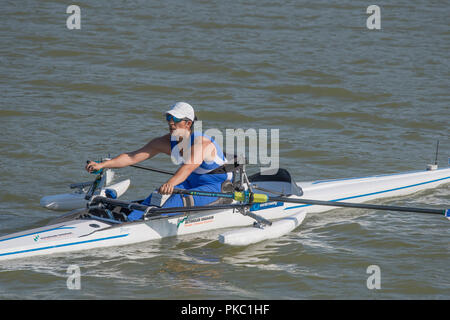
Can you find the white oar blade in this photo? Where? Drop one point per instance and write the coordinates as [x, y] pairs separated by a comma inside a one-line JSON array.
[[447, 214], [246, 236]]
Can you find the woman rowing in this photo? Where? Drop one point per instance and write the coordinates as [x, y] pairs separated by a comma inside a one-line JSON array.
[[202, 160]]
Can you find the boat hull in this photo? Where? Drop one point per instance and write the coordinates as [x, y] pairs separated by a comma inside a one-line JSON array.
[[73, 233], [365, 189]]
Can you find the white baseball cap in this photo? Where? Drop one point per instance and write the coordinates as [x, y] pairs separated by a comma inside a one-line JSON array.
[[182, 110]]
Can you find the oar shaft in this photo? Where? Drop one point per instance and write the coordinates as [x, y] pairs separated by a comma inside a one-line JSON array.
[[152, 169], [254, 198], [153, 211], [358, 205], [238, 196], [204, 193], [94, 186]]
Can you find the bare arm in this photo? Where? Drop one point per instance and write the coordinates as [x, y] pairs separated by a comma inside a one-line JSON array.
[[199, 151], [157, 145]]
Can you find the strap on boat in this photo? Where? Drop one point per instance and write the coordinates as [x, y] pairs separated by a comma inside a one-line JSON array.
[[229, 166], [188, 200]]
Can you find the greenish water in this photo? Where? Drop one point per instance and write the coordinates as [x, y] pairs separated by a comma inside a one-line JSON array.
[[347, 101]]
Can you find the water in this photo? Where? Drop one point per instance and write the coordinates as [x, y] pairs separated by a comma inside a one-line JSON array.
[[347, 101]]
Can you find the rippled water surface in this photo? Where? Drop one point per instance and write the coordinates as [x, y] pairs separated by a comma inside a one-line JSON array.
[[347, 101]]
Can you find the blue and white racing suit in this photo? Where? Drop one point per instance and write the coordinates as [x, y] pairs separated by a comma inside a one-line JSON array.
[[200, 179]]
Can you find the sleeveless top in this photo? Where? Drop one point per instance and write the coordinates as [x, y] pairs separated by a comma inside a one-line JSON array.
[[206, 166]]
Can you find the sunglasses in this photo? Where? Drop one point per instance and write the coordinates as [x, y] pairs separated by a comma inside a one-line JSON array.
[[175, 119]]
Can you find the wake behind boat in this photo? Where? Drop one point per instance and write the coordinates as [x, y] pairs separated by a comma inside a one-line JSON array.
[[279, 207]]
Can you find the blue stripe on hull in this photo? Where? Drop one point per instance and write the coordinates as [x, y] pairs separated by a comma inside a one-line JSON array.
[[373, 193], [37, 232], [63, 245], [377, 176]]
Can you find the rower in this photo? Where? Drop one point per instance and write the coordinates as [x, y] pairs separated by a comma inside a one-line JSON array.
[[202, 162]]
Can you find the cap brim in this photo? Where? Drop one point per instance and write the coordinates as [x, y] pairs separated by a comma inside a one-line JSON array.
[[177, 115]]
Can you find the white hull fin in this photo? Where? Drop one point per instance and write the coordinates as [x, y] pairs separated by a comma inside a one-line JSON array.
[[246, 236]]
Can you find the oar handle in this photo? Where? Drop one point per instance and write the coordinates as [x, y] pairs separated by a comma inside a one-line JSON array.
[[96, 171], [94, 184]]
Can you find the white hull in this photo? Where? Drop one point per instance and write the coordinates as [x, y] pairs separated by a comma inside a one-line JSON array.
[[82, 234], [359, 190], [76, 200]]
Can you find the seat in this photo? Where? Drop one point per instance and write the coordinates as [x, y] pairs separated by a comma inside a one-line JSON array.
[[280, 182]]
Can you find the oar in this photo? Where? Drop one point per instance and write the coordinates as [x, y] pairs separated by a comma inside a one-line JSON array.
[[95, 183], [152, 212], [246, 197], [152, 169], [361, 205], [261, 198]]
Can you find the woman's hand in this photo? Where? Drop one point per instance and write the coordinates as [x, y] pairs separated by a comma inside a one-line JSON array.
[[166, 188], [93, 166]]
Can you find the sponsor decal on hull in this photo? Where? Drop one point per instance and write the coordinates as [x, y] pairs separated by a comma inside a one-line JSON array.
[[189, 222], [266, 205], [39, 238]]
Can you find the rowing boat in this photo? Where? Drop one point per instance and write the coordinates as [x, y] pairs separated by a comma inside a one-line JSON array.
[[104, 222]]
